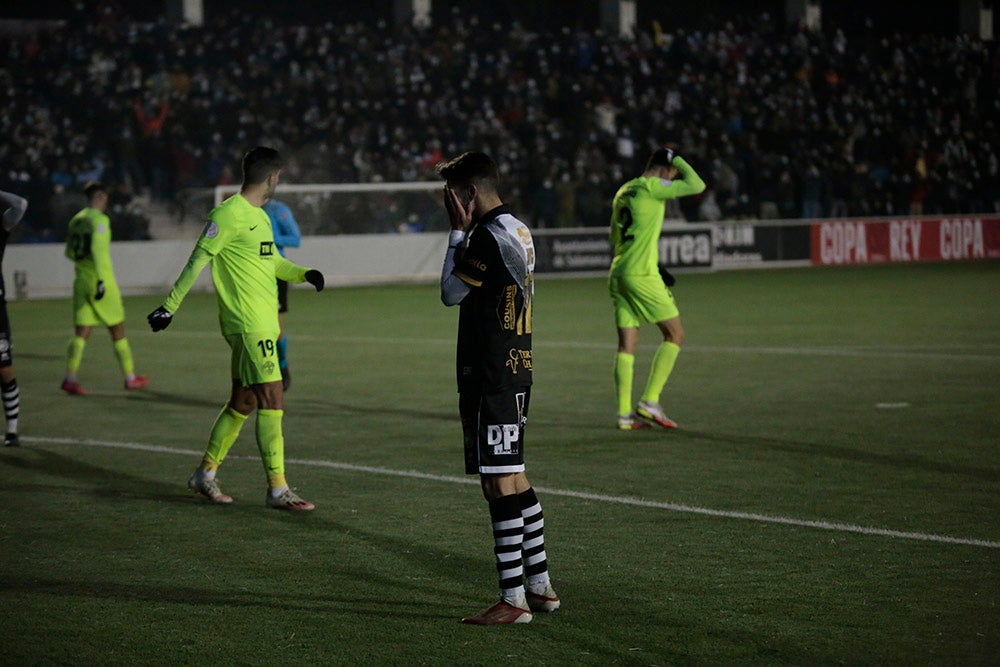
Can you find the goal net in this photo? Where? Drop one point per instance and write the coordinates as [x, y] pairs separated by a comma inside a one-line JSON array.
[[322, 209]]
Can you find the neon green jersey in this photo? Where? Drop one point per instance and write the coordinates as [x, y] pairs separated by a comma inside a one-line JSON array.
[[637, 218], [88, 244], [245, 262]]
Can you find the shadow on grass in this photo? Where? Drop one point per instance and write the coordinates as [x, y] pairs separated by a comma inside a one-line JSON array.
[[188, 595], [176, 399], [40, 357], [849, 454], [315, 408], [109, 482], [421, 557]]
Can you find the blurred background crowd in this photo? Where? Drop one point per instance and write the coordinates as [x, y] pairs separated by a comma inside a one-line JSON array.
[[780, 121]]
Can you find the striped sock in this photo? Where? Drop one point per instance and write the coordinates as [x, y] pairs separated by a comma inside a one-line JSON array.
[[533, 548], [508, 533], [11, 404]]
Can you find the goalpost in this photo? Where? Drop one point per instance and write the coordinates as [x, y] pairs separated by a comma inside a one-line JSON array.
[[359, 208]]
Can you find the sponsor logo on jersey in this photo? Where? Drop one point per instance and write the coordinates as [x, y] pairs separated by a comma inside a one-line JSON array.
[[266, 248], [518, 359]]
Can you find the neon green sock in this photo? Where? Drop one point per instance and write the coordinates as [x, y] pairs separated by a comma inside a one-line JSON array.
[[271, 443], [74, 353], [663, 363], [624, 368], [224, 433], [124, 353]]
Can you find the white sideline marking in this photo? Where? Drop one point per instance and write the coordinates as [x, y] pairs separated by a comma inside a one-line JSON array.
[[619, 500], [952, 353]]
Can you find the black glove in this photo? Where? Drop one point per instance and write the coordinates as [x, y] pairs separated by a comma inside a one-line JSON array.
[[668, 278], [100, 291], [160, 319], [315, 278]]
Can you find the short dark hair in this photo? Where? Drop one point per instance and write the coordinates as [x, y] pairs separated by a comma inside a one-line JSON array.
[[474, 168], [91, 189], [259, 163], [661, 157]]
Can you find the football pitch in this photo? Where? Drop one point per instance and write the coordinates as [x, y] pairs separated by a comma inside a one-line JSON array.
[[832, 495]]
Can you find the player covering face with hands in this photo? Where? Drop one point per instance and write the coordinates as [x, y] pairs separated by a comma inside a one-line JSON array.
[[239, 244], [489, 273]]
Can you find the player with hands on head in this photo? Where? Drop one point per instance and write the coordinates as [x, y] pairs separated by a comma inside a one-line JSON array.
[[239, 244], [14, 208], [640, 287], [488, 272], [96, 298]]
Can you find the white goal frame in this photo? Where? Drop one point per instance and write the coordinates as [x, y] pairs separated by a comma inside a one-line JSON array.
[[223, 191]]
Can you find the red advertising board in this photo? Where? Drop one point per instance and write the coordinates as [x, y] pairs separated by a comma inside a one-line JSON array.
[[877, 241]]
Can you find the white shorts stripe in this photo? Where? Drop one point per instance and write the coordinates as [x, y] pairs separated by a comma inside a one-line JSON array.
[[501, 470]]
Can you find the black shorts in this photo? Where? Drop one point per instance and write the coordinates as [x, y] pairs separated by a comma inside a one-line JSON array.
[[493, 430], [6, 354], [282, 296]]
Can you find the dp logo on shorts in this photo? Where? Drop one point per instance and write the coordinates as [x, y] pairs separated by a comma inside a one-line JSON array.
[[503, 438]]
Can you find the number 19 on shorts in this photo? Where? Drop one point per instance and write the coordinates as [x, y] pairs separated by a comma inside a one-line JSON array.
[[267, 347]]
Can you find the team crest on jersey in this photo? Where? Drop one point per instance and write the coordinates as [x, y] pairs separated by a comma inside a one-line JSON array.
[[211, 230]]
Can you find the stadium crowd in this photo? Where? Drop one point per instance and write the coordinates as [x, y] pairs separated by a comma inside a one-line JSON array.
[[781, 121]]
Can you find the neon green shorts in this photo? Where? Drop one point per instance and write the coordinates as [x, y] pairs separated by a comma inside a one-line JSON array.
[[641, 299], [87, 312], [254, 357]]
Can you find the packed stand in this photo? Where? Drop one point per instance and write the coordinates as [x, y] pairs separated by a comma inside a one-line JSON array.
[[781, 121]]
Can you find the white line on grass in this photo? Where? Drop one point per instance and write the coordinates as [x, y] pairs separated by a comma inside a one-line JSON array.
[[952, 353], [619, 500]]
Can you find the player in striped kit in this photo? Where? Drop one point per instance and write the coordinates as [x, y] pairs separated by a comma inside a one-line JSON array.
[[489, 273], [14, 208]]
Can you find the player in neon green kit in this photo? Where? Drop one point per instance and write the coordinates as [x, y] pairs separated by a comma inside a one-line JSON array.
[[639, 291], [245, 264], [96, 298]]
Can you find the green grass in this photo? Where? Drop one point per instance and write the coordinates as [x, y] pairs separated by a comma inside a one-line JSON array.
[[105, 558]]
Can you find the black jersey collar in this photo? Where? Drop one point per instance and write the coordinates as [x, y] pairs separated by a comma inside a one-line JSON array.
[[493, 213]]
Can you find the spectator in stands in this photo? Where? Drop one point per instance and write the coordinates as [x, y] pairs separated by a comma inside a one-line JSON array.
[[835, 98]]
